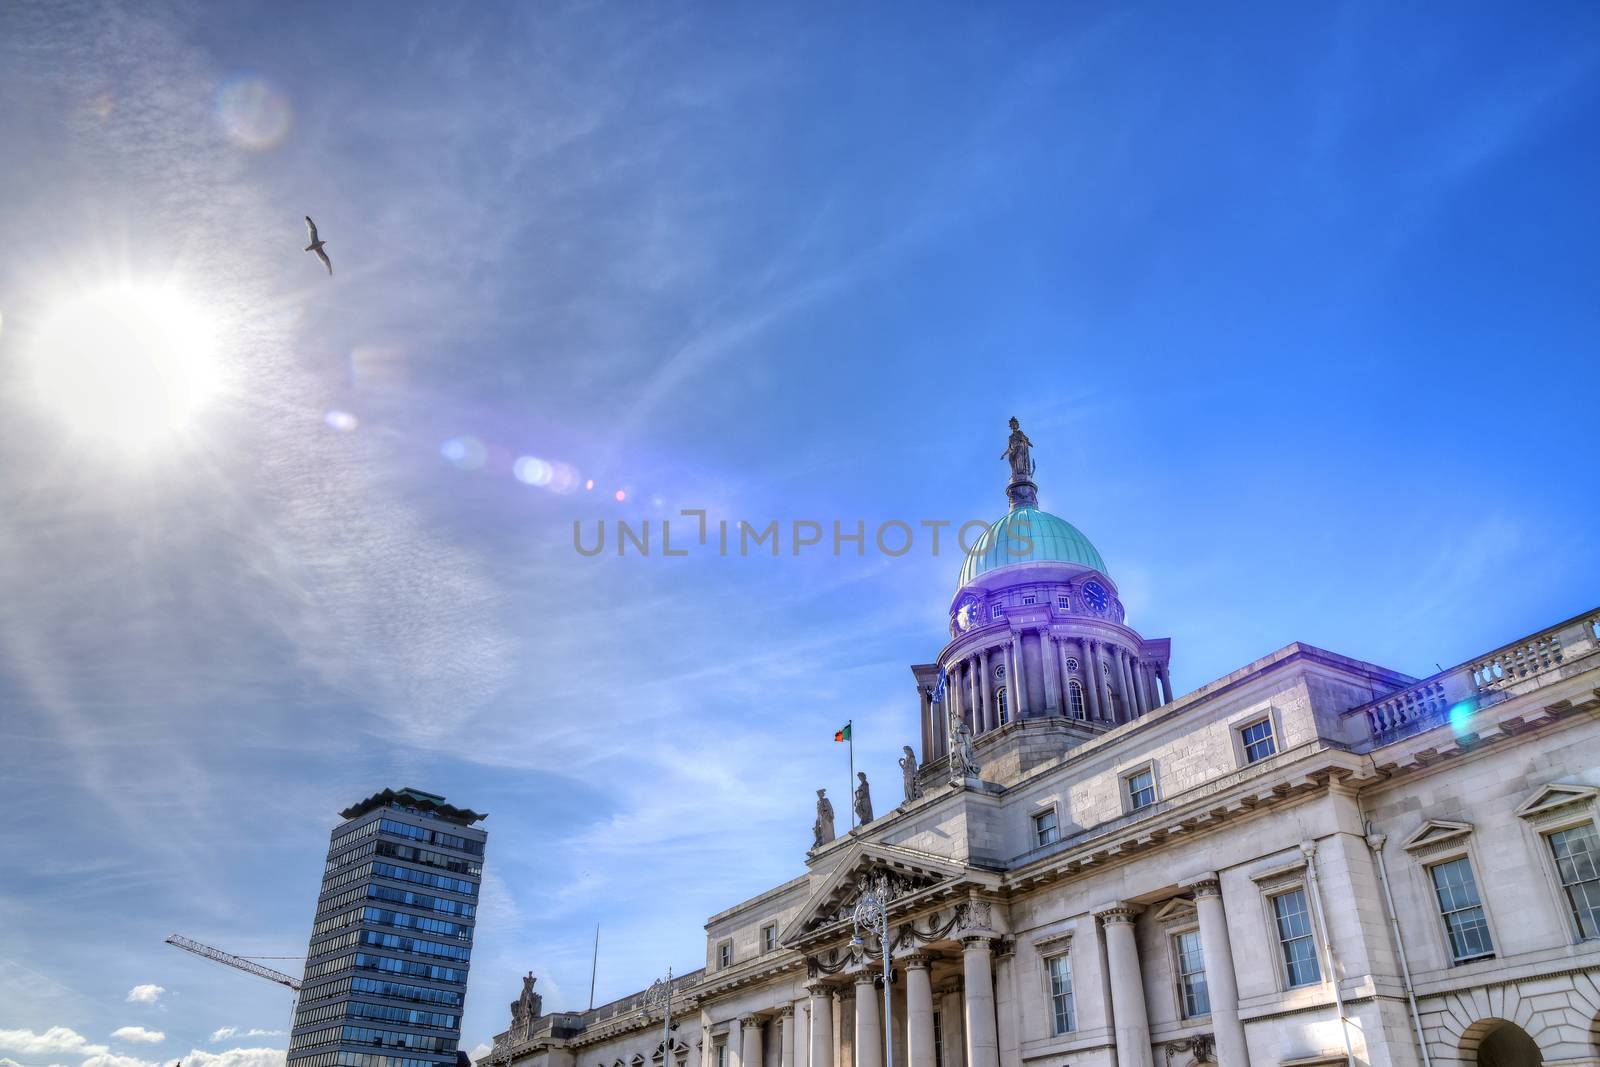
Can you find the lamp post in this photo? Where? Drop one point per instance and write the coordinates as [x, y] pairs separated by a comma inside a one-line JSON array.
[[659, 996], [872, 914]]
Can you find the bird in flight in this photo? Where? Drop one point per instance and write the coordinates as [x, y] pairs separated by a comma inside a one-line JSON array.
[[316, 245]]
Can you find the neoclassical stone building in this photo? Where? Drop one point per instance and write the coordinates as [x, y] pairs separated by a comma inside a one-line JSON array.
[[1310, 860]]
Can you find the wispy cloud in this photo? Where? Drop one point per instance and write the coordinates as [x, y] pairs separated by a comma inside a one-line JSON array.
[[148, 993]]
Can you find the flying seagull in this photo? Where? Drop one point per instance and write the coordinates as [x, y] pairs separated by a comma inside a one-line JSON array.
[[316, 245]]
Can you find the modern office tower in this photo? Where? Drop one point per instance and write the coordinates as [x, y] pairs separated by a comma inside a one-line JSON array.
[[386, 973]]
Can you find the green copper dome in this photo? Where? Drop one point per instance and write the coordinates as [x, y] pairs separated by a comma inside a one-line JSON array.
[[1007, 541]]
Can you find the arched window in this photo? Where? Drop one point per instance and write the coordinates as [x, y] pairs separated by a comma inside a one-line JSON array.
[[1075, 699], [1003, 702]]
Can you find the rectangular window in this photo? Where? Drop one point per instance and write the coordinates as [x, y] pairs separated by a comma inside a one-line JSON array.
[[1029, 600], [1577, 853], [1294, 937], [1258, 741], [725, 954], [769, 938], [1457, 891], [938, 1039], [722, 1055], [1063, 602], [1061, 993], [1045, 829], [994, 611], [1141, 787], [1191, 974]]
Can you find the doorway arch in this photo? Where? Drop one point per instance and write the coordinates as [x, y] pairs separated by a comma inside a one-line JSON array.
[[1499, 1043]]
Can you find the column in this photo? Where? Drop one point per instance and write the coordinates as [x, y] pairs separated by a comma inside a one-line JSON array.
[[927, 722], [821, 1025], [705, 1039], [990, 716], [919, 1011], [1049, 664], [952, 693], [844, 1030], [1152, 696], [786, 1036], [978, 1006], [974, 691], [735, 1042], [754, 1052], [1091, 687], [1222, 985], [1008, 1028], [869, 1023], [1129, 696], [1128, 1015], [1166, 682], [1018, 685]]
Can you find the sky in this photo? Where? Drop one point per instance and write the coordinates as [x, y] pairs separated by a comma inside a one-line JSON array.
[[1296, 302]]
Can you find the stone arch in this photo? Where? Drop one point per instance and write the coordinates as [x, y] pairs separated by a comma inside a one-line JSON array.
[[1563, 1020], [1499, 1043]]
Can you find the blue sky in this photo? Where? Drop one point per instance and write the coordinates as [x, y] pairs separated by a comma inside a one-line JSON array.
[[1297, 303]]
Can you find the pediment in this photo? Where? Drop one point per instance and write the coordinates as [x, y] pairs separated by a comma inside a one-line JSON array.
[[1177, 911], [907, 871], [1556, 799], [1436, 833]]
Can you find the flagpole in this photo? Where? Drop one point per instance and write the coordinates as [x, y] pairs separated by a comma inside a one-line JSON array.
[[850, 735]]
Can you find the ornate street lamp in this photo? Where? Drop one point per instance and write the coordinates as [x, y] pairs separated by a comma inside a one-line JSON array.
[[659, 998], [872, 914]]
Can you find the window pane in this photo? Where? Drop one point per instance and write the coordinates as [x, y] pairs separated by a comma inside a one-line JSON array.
[[1577, 853], [1191, 975], [1141, 789], [1061, 993], [1258, 741], [1462, 910], [1294, 935]]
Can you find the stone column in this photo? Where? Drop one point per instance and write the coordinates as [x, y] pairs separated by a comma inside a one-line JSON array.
[[754, 1050], [988, 688], [1048, 664], [844, 1030], [919, 1011], [1091, 691], [1006, 1008], [735, 1043], [1019, 685], [1166, 682], [786, 1036], [821, 1025], [1152, 695], [977, 979], [1130, 695], [1222, 985], [869, 1023], [952, 693], [927, 723], [1128, 1014], [975, 692]]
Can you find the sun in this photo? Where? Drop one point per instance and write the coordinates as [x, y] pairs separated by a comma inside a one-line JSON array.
[[126, 365]]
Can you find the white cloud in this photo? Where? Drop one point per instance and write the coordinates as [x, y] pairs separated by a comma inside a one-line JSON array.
[[234, 1057], [256, 1031], [56, 1041], [139, 1034], [149, 993], [223, 1033], [480, 1052]]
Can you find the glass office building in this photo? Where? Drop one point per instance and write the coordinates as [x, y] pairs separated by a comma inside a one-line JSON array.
[[386, 972]]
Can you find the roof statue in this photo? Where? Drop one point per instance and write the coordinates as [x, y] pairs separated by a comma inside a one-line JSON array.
[[1020, 490], [863, 799], [822, 829], [908, 771]]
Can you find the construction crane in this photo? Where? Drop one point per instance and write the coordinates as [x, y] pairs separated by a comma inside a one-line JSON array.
[[238, 963]]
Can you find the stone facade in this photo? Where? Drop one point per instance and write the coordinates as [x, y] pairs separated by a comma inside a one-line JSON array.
[[1310, 860]]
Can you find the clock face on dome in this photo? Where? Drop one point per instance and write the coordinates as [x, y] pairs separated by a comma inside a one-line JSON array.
[[967, 617], [1095, 595]]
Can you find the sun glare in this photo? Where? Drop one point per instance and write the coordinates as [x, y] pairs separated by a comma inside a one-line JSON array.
[[128, 365]]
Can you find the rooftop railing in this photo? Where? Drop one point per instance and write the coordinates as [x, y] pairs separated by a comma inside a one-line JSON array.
[[1518, 667]]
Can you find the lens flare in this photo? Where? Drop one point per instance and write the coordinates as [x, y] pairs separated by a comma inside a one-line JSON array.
[[589, 484], [465, 453], [563, 478], [342, 421], [129, 365], [531, 470], [253, 113], [621, 496]]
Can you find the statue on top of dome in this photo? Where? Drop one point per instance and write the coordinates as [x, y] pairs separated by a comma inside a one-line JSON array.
[[1019, 452]]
